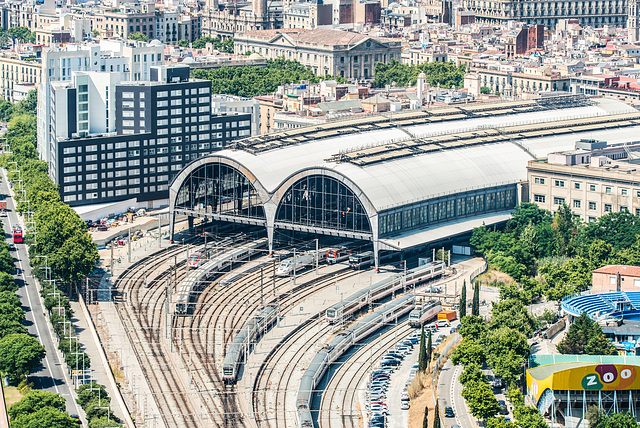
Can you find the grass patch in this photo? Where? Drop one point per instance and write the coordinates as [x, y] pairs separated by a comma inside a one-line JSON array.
[[11, 395], [493, 276]]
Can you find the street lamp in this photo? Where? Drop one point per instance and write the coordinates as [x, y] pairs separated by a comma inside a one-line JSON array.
[[46, 265]]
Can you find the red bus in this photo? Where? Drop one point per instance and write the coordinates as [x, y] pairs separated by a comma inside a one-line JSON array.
[[17, 235]]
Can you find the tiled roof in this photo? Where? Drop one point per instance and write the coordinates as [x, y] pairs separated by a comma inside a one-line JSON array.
[[623, 269]]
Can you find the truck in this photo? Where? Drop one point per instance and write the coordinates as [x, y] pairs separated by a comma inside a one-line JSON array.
[[447, 315], [3, 205]]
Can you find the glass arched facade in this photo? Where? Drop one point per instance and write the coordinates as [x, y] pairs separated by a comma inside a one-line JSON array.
[[323, 201], [218, 188]]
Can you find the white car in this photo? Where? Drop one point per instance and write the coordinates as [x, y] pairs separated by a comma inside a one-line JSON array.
[[443, 323], [404, 405]]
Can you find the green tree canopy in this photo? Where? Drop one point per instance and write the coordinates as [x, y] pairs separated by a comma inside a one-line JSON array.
[[44, 417], [480, 400], [468, 352], [445, 74], [585, 337], [19, 354], [251, 81], [35, 400], [139, 37]]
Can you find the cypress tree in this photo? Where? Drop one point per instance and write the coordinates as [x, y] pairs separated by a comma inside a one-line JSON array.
[[436, 417], [463, 300], [429, 349], [475, 307], [422, 356], [425, 421]]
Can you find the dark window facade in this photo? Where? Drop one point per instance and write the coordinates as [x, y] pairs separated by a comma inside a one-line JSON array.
[[446, 208], [323, 201], [219, 189]]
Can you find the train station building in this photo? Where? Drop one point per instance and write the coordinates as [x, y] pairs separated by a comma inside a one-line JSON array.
[[400, 180]]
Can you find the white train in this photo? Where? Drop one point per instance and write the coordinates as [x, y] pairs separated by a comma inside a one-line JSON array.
[[356, 261], [245, 339], [348, 306], [339, 345], [424, 313], [297, 264], [193, 281]]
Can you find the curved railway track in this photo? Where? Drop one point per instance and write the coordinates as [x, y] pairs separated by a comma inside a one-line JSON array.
[[137, 307], [340, 399]]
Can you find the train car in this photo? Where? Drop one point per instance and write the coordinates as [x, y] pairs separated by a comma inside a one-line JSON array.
[[380, 290], [248, 335], [194, 261], [356, 261], [339, 345], [218, 263], [17, 235], [424, 313], [339, 253], [288, 266]]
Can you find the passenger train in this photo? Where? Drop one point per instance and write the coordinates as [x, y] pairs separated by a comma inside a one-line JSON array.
[[424, 313], [193, 281], [194, 261], [248, 336], [347, 307], [356, 261], [340, 253], [297, 264], [339, 345]]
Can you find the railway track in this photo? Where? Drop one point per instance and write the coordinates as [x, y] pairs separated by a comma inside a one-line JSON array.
[[340, 399], [137, 306]]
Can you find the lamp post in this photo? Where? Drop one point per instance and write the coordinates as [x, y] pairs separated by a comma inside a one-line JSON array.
[[46, 265]]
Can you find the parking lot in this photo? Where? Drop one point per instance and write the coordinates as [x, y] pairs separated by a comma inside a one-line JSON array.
[[386, 398]]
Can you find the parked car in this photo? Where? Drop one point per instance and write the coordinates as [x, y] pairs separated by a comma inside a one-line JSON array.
[[497, 383], [404, 405], [443, 323]]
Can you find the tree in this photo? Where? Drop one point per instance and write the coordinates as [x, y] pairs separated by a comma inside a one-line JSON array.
[[585, 337], [436, 418], [565, 226], [10, 312], [19, 354], [7, 283], [139, 37], [89, 392], [480, 399], [472, 373], [96, 33], [103, 423], [515, 395], [429, 348], [529, 417], [422, 356], [44, 417], [485, 90], [463, 300], [475, 305], [445, 74], [23, 34], [251, 81], [183, 43], [500, 423], [473, 327], [468, 351], [425, 420], [594, 415], [225, 45], [34, 400], [513, 314], [29, 104], [11, 327]]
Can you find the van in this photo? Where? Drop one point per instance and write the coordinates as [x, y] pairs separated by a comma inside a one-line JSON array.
[[443, 323]]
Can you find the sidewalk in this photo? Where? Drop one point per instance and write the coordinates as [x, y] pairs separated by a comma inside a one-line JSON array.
[[97, 370]]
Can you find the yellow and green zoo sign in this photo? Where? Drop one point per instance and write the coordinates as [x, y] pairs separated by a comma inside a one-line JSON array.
[[582, 376]]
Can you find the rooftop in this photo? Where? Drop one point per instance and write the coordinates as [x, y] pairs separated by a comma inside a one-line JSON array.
[[622, 269]]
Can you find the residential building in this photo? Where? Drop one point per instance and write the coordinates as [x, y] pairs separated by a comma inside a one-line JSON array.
[[594, 179], [612, 278], [17, 71], [548, 13], [221, 104], [158, 127], [339, 53], [307, 15], [131, 60]]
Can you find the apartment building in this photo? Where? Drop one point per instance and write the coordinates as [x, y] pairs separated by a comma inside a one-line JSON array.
[[339, 53], [594, 179], [548, 13], [16, 72], [131, 60], [160, 126]]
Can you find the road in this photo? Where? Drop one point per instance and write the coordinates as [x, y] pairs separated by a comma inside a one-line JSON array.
[[51, 376]]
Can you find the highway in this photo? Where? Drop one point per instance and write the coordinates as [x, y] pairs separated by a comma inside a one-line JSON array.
[[52, 375]]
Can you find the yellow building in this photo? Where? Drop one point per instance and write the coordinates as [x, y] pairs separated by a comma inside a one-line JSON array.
[[564, 389]]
